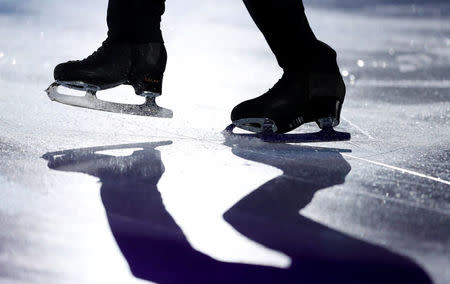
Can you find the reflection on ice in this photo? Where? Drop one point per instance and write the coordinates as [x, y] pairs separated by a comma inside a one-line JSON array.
[[157, 249]]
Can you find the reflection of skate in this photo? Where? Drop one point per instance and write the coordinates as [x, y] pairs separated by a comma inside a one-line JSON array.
[[139, 65], [324, 135]]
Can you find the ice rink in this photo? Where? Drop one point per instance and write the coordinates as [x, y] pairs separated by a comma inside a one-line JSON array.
[[95, 197]]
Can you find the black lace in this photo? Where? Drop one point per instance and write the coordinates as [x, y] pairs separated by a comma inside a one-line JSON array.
[[99, 52]]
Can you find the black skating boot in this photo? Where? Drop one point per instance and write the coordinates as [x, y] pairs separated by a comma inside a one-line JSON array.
[[311, 88], [297, 98], [114, 64], [133, 54]]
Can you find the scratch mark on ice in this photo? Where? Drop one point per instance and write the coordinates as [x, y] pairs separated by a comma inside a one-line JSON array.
[[399, 169], [359, 129]]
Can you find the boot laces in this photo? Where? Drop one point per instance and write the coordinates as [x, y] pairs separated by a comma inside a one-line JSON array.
[[99, 52]]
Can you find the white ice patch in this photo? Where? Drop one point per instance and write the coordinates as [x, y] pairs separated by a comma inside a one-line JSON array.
[[119, 152], [438, 84], [200, 184], [121, 95], [413, 62]]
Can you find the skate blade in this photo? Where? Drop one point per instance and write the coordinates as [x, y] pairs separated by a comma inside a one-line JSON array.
[[256, 125], [80, 86], [324, 135], [90, 101]]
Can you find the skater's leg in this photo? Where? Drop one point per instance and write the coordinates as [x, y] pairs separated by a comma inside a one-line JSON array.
[[287, 31], [135, 21]]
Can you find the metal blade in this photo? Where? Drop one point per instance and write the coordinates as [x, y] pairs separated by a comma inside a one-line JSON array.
[[90, 101], [328, 135]]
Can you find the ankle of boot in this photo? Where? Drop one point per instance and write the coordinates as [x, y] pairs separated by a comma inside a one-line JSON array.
[[134, 38], [318, 58]]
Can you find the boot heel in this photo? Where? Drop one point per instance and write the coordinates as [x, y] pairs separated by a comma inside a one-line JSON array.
[[328, 112], [149, 86]]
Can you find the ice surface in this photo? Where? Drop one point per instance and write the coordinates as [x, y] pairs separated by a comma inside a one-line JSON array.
[[224, 203]]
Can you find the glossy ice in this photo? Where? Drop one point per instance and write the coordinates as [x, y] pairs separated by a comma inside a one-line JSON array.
[[94, 197]]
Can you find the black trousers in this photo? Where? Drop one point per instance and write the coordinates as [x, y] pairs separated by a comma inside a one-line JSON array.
[[283, 23]]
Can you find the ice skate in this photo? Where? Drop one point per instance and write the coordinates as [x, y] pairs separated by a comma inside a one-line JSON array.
[[311, 88], [297, 98], [113, 64]]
